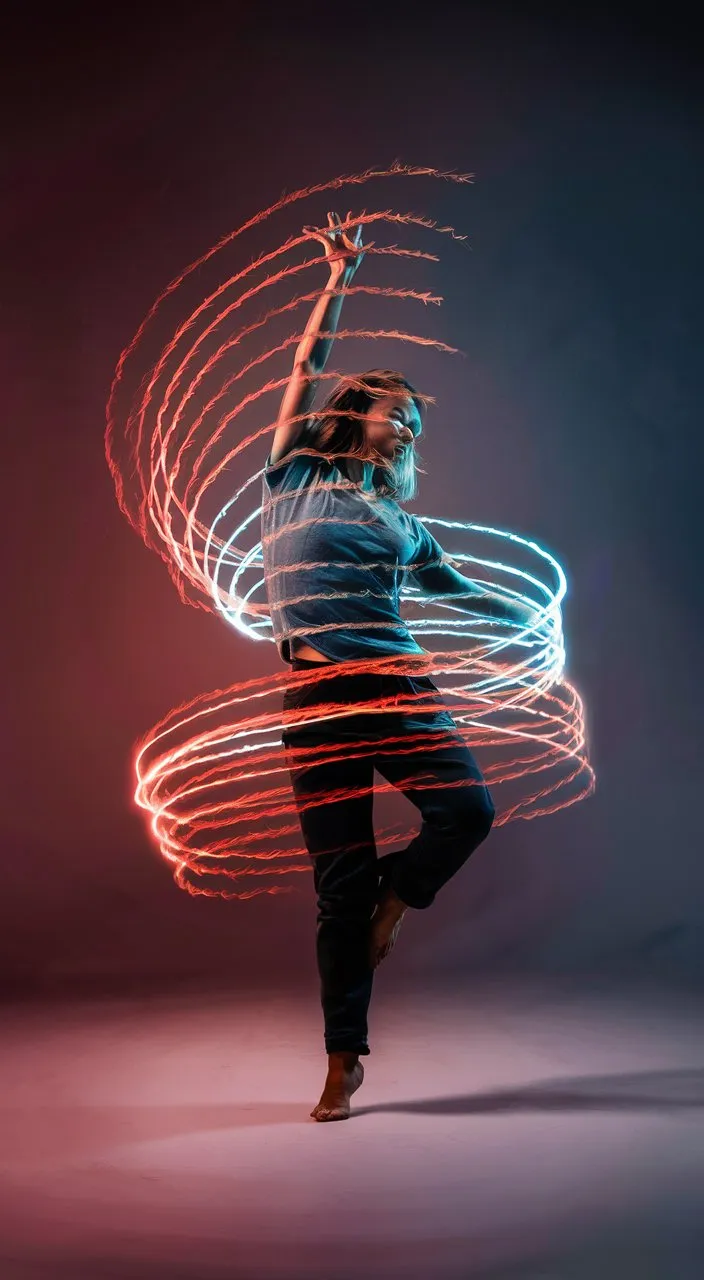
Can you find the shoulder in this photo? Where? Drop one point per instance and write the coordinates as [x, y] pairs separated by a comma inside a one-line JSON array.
[[418, 526], [296, 469], [427, 544]]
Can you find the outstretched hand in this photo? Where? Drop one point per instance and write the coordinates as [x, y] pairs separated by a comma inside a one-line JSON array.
[[343, 249]]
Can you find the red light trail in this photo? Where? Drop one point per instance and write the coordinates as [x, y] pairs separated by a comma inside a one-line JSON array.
[[182, 416]]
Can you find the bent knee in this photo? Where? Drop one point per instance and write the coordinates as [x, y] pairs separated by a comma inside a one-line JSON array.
[[488, 813], [471, 808]]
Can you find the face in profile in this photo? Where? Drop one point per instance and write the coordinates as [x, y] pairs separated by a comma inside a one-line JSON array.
[[391, 425]]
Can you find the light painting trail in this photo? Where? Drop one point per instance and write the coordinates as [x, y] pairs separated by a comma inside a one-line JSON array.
[[187, 433]]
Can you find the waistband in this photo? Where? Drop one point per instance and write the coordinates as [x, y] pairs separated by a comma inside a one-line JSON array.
[[365, 675]]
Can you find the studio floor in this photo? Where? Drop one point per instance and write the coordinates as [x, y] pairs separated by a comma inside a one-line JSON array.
[[499, 1133]]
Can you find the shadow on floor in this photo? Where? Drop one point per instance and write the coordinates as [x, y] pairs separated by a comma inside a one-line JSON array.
[[627, 1091], [34, 1134]]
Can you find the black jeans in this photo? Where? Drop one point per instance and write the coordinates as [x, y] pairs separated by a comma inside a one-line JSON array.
[[421, 753]]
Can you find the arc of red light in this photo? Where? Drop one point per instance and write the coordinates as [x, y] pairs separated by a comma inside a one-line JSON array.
[[351, 179], [389, 215], [171, 474], [213, 360], [262, 260], [225, 422], [265, 723], [182, 756], [465, 661], [160, 462], [190, 517], [197, 816], [356, 179], [221, 316], [539, 794]]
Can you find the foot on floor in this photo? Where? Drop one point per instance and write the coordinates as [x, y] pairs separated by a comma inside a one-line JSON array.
[[345, 1075]]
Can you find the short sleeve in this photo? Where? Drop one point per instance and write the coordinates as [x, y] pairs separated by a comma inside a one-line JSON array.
[[428, 550], [295, 470]]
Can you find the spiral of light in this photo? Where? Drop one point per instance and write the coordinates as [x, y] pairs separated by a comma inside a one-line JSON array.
[[188, 427]]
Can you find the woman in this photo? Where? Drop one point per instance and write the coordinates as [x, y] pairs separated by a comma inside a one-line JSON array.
[[337, 545]]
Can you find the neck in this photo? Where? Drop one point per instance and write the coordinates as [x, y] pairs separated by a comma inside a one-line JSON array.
[[367, 473]]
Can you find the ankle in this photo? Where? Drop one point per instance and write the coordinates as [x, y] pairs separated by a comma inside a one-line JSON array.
[[391, 899], [344, 1060]]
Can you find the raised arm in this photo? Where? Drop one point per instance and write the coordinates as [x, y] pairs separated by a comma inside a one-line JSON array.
[[343, 252]]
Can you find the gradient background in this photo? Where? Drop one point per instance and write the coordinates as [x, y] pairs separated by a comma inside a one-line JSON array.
[[128, 150]]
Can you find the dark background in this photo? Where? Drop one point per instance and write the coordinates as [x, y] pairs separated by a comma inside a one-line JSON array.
[[129, 146]]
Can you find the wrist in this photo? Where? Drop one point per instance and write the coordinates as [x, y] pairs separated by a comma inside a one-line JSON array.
[[339, 273]]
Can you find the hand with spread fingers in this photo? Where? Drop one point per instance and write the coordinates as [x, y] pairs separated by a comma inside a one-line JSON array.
[[343, 247]]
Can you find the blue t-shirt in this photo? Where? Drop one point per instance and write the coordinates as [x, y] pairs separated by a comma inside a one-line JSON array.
[[334, 561]]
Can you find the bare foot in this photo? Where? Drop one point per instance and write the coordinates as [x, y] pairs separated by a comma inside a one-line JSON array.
[[345, 1074], [386, 923]]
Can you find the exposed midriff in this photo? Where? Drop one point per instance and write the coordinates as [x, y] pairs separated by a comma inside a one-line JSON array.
[[303, 650]]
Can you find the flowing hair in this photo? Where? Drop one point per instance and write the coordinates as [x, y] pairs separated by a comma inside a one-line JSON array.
[[336, 429]]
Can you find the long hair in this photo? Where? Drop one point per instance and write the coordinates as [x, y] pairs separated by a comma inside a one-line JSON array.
[[337, 429]]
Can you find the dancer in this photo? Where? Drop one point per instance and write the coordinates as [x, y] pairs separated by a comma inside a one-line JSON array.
[[337, 544]]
